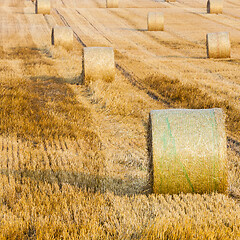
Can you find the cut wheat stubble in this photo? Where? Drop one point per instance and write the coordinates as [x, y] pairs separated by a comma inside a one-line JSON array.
[[42, 7], [62, 36], [155, 21], [98, 64], [218, 45], [188, 151]]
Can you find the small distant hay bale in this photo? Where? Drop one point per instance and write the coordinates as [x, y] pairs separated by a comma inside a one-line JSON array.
[[62, 36], [98, 64], [155, 21], [42, 6], [112, 3], [188, 151], [214, 6], [218, 45]]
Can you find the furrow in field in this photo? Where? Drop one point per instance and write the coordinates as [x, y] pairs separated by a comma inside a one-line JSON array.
[[189, 66]]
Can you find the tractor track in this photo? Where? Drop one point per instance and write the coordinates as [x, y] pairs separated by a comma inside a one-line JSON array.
[[232, 143]]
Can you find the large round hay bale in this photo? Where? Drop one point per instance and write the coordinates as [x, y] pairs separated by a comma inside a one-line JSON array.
[[42, 6], [112, 3], [214, 6], [62, 36], [188, 150], [155, 21], [98, 64], [218, 45]]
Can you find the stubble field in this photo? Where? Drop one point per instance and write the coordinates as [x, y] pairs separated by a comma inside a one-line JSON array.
[[74, 158]]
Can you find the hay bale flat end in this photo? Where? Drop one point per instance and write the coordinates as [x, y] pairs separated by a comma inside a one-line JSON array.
[[62, 36], [98, 64], [155, 21], [188, 150]]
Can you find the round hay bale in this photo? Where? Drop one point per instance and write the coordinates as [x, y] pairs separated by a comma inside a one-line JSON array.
[[112, 3], [42, 6], [62, 36], [170, 0], [188, 151], [155, 21], [218, 45], [214, 6], [98, 63]]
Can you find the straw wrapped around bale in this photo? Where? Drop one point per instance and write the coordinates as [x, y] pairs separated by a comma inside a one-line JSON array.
[[98, 64], [155, 21], [42, 6], [62, 36], [214, 6], [112, 3], [218, 45], [188, 150]]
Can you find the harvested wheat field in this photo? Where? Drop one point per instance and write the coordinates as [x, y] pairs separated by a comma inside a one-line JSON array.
[[75, 158]]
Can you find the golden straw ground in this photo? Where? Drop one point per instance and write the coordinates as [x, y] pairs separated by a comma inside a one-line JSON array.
[[188, 151]]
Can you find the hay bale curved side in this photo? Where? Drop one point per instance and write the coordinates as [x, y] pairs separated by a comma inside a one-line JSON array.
[[188, 151], [214, 6], [218, 45], [155, 21], [42, 7], [170, 0], [112, 3], [62, 36], [98, 64]]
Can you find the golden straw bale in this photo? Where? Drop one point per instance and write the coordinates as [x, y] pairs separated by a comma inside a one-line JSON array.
[[112, 3], [188, 151], [98, 63], [218, 45], [155, 21], [42, 6], [214, 6], [62, 36]]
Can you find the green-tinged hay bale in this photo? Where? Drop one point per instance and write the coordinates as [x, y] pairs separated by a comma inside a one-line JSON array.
[[155, 21], [62, 36], [98, 64], [188, 151], [214, 6], [42, 6], [112, 3], [218, 45]]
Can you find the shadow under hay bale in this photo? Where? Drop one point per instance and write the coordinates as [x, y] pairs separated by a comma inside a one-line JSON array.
[[84, 181], [155, 21], [62, 36], [218, 45], [188, 151], [98, 64], [42, 7], [215, 6]]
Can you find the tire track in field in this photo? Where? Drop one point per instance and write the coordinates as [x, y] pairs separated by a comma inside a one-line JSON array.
[[205, 16], [167, 45], [152, 94]]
